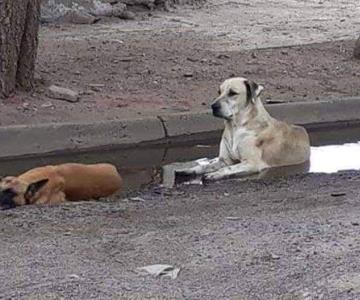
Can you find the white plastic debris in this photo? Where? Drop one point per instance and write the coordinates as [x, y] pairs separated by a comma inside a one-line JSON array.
[[74, 276], [161, 270], [233, 218], [137, 199]]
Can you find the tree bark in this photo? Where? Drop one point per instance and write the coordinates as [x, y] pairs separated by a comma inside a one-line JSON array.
[[19, 26], [357, 49]]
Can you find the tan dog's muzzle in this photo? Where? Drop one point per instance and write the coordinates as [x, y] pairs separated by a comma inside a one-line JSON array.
[[219, 109]]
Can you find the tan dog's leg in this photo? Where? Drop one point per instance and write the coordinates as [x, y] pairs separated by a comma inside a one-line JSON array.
[[202, 166], [241, 169]]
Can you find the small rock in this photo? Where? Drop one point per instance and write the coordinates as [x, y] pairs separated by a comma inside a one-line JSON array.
[[96, 87], [126, 59], [78, 17], [275, 257], [88, 92], [26, 105], [355, 223], [108, 10], [150, 4], [127, 15], [57, 92], [233, 218], [47, 105], [221, 56]]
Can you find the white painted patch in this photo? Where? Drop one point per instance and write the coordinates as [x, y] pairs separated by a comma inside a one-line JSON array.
[[334, 158]]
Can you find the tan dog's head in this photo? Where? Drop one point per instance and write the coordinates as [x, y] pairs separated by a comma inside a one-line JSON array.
[[14, 192], [235, 94]]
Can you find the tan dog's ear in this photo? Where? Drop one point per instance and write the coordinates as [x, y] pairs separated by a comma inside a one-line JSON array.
[[33, 188], [253, 90]]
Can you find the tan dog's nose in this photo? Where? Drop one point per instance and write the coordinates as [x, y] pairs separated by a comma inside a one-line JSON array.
[[215, 106]]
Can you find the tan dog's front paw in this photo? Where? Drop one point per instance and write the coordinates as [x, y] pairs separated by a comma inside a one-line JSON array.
[[213, 176]]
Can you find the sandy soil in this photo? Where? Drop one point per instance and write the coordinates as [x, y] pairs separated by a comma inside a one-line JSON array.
[[170, 62], [292, 239]]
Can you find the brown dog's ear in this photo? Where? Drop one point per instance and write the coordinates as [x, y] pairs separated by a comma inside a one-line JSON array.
[[253, 90], [33, 188]]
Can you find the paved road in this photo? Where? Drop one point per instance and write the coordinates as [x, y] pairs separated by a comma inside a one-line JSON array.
[[295, 239]]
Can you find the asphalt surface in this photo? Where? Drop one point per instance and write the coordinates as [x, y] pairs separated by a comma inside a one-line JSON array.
[[295, 238]]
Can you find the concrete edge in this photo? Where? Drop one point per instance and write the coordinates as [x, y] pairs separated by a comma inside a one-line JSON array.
[[308, 114], [24, 140]]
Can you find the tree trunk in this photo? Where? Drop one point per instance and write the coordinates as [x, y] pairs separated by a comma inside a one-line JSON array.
[[357, 49], [19, 26]]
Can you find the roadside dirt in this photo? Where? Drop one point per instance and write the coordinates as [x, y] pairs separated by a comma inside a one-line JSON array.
[[171, 62], [286, 239]]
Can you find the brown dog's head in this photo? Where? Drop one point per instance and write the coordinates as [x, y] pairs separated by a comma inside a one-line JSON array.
[[15, 192]]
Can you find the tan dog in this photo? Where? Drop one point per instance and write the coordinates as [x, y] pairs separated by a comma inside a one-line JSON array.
[[56, 184], [252, 140]]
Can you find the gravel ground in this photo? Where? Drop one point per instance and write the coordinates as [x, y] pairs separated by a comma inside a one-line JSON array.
[[294, 238]]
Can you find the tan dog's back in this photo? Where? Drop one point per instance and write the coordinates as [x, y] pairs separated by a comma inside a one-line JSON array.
[[283, 144]]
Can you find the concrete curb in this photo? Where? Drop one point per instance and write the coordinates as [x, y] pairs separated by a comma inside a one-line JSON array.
[[31, 140], [308, 114], [47, 138]]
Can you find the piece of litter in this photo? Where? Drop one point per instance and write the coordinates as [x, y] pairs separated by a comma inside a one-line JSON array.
[[74, 276], [275, 257], [233, 218], [274, 101], [338, 194], [137, 199], [161, 270], [226, 194], [187, 75], [196, 181]]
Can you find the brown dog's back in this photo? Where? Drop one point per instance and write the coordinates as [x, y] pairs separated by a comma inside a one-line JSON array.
[[84, 182], [77, 181]]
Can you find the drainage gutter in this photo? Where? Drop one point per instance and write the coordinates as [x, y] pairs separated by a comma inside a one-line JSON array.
[[28, 140]]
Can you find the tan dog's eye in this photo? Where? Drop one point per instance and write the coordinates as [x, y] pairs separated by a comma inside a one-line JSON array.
[[231, 93]]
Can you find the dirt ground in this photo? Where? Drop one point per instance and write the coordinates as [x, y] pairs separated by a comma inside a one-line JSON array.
[[174, 61], [292, 239]]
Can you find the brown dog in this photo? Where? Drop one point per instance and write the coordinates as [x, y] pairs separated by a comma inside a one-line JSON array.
[[56, 184]]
